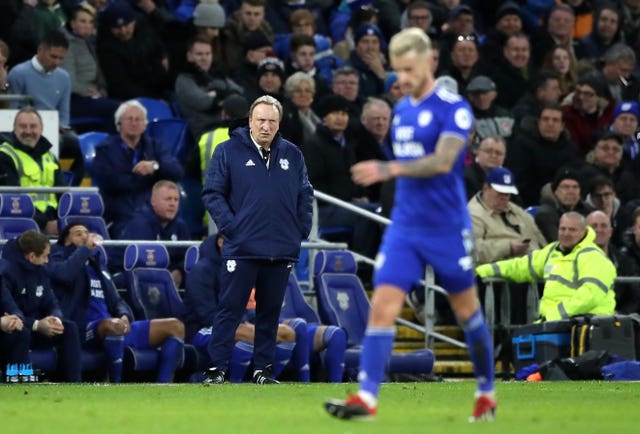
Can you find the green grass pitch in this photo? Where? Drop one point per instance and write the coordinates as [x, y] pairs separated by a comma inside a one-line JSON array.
[[405, 408]]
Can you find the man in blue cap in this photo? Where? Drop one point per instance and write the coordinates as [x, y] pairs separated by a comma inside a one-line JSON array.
[[369, 60]]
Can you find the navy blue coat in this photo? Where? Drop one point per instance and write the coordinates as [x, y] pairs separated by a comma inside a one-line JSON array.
[[202, 288], [8, 304], [146, 226], [122, 190], [262, 213], [28, 284], [70, 281]]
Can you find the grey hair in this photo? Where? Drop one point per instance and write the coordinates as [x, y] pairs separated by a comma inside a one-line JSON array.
[[268, 100], [128, 104], [294, 81], [411, 39], [620, 51]]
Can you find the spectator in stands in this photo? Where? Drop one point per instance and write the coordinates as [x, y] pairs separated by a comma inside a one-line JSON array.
[[248, 19], [26, 160], [14, 336], [513, 71], [460, 22], [627, 294], [89, 298], [24, 275], [362, 12], [160, 221], [256, 47], [565, 197], [270, 77], [606, 159], [368, 59], [578, 276], [346, 83], [545, 90], [202, 87], [259, 195], [300, 120], [508, 22], [329, 156], [131, 55], [491, 119], [50, 88], [502, 229], [589, 110], [602, 197], [558, 30], [202, 296], [34, 21], [625, 123], [234, 112], [127, 165], [562, 61], [583, 11], [88, 86], [631, 24], [465, 61], [619, 63], [606, 31], [535, 156], [490, 153], [303, 53]]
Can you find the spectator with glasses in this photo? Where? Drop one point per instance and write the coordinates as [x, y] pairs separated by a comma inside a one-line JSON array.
[[512, 73], [346, 83], [490, 154], [602, 197], [465, 61]]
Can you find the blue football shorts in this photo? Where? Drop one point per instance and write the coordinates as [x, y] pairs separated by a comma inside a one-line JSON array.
[[404, 255]]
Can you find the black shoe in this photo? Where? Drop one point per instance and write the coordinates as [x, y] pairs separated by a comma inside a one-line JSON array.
[[264, 376], [214, 376]]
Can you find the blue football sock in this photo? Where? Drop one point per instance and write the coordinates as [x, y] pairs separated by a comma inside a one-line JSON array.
[[240, 361], [335, 340], [376, 350], [283, 355], [171, 354], [300, 354], [114, 347], [479, 341]]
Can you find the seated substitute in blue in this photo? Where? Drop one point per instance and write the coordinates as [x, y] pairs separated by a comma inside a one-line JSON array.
[[24, 275], [90, 299], [160, 221]]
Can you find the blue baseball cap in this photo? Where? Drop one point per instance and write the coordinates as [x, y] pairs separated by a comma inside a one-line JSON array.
[[627, 107], [501, 180]]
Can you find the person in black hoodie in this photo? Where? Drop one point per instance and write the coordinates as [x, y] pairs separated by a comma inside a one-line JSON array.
[[24, 275]]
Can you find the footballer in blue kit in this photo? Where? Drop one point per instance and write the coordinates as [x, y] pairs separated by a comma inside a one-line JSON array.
[[430, 226]]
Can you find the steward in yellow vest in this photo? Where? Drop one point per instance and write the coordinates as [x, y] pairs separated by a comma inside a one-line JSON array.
[[578, 275], [26, 160]]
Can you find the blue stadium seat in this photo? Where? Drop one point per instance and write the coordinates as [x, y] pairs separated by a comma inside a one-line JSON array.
[[295, 305], [533, 209], [343, 302], [88, 142], [172, 133], [84, 207], [16, 214], [156, 109]]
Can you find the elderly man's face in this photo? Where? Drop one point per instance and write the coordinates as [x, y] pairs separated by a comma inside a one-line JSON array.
[[377, 120], [132, 123], [482, 100], [264, 122], [601, 224], [496, 201], [491, 154], [570, 231], [28, 129]]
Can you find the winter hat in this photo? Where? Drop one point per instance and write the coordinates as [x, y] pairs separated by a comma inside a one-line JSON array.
[[332, 103], [255, 40], [392, 77], [367, 29], [209, 14], [271, 64], [481, 83], [118, 14], [561, 175], [357, 4], [508, 8], [596, 81], [627, 107]]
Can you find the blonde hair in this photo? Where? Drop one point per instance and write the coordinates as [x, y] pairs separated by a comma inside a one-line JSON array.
[[411, 39]]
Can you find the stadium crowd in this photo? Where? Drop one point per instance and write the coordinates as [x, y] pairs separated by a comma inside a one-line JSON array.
[[554, 86]]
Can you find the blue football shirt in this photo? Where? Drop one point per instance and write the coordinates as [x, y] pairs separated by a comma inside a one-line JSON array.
[[430, 204]]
